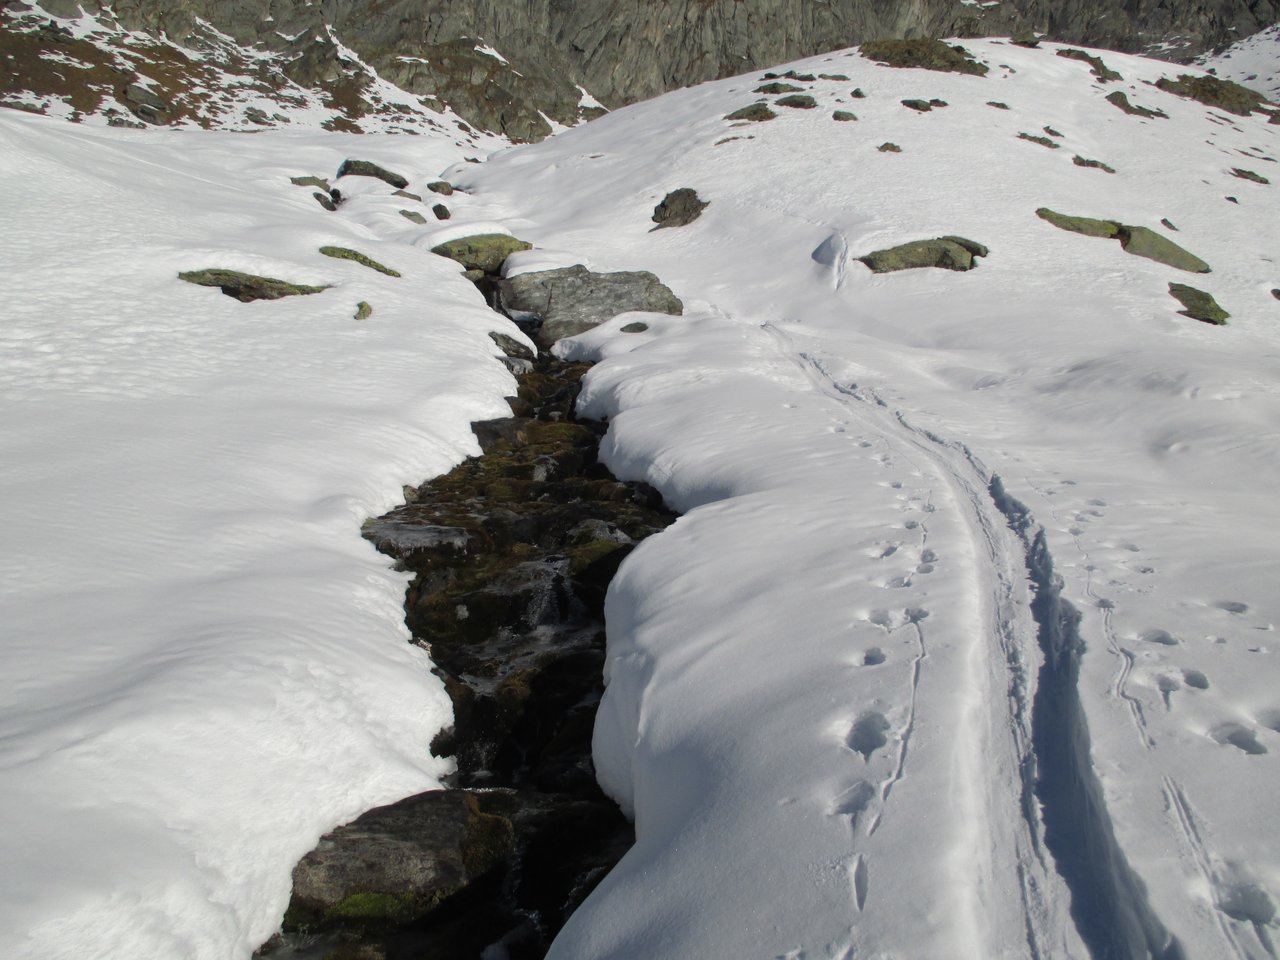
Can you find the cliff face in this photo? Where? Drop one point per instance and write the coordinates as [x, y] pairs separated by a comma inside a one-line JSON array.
[[628, 50]]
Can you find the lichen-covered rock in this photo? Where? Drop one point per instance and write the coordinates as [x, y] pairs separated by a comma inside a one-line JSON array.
[[1043, 141], [924, 53], [366, 168], [775, 88], [247, 287], [363, 310], [920, 106], [1088, 226], [1080, 161], [679, 208], [1100, 69], [756, 112], [1118, 99], [413, 216], [1198, 305], [844, 116], [573, 299], [799, 101], [947, 253], [1143, 242], [346, 253], [442, 187], [1244, 174], [310, 182], [484, 252], [1213, 92]]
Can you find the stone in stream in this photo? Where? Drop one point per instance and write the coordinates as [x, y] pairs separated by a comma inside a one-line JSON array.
[[570, 300]]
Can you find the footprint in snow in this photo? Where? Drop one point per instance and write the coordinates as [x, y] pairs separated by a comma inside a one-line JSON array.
[[1238, 736], [867, 735]]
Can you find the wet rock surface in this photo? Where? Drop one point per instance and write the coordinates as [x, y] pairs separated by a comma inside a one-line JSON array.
[[511, 553]]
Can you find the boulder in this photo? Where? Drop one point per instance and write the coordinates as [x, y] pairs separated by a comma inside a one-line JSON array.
[[413, 216], [1142, 242], [1108, 229], [776, 88], [678, 208], [1212, 92], [1101, 71], [365, 168], [346, 253], [396, 863], [844, 116], [573, 299], [441, 211], [484, 252], [247, 287], [442, 187], [756, 111], [363, 310], [798, 101], [1118, 99], [948, 253], [1198, 305]]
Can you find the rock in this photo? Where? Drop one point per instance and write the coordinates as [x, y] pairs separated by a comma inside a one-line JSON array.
[[843, 116], [889, 148], [1198, 305], [949, 253], [484, 252], [1275, 292], [799, 101], [573, 299], [636, 326], [1043, 141], [921, 106], [255, 115], [756, 112], [324, 200], [407, 195], [310, 182], [441, 211], [397, 863], [1118, 99], [839, 77], [678, 208], [1108, 229], [363, 310], [1025, 39], [774, 89], [1100, 69], [512, 347], [442, 187], [1167, 223], [1212, 92], [857, 93], [997, 104], [1080, 161], [365, 168], [1052, 132], [924, 53], [247, 287], [1243, 174], [1142, 242], [145, 104], [345, 253], [413, 216]]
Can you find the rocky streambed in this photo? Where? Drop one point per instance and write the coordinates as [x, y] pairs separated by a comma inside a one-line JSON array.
[[511, 553]]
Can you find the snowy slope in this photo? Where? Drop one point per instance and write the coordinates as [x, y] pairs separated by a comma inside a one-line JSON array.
[[205, 665], [1253, 61], [828, 693]]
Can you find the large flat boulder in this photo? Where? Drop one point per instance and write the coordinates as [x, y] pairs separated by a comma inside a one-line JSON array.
[[571, 300]]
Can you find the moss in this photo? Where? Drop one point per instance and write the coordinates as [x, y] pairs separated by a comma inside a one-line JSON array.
[[1043, 141], [247, 287], [1212, 92], [923, 53], [482, 252], [773, 89], [1107, 229], [584, 555], [1118, 99], [363, 310], [374, 906], [489, 841], [756, 112], [800, 101], [1248, 175], [1198, 305], [345, 253], [1100, 69], [1080, 161]]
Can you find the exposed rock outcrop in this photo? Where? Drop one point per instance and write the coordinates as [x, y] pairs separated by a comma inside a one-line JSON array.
[[573, 299], [948, 253]]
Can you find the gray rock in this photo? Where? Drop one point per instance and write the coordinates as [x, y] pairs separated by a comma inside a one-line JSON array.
[[441, 211], [571, 300], [442, 187], [413, 216], [398, 862], [679, 208], [949, 253], [365, 168]]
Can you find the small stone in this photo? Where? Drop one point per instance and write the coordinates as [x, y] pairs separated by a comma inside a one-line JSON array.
[[363, 310], [799, 101], [442, 187], [889, 148], [1080, 161], [678, 208], [997, 104], [365, 168], [1052, 132], [310, 182], [1275, 292], [843, 115], [635, 326], [921, 106], [407, 195], [857, 93], [1165, 222], [413, 216], [840, 77], [441, 211]]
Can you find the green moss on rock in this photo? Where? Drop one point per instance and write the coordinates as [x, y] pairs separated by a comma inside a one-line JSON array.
[[484, 252], [1100, 69], [1244, 174], [800, 101], [247, 287], [346, 253], [1118, 99], [1043, 141], [948, 253], [1080, 161], [1223, 94], [1198, 305], [1087, 226], [413, 216], [773, 89], [363, 310], [1142, 242], [756, 112], [923, 53], [888, 147]]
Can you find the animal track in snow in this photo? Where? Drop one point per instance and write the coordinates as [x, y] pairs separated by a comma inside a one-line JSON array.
[[867, 735], [1232, 606], [1238, 736], [858, 875], [875, 656], [1270, 719], [854, 802], [1162, 637]]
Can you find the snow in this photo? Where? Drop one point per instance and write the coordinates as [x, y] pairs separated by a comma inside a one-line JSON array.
[[206, 667], [822, 678], [826, 688], [1253, 61]]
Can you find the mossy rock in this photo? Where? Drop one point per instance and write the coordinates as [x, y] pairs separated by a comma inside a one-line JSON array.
[[838, 77], [1025, 39], [1089, 227], [999, 105], [947, 253], [635, 326], [310, 182], [365, 168], [346, 253], [1212, 92], [247, 287], [1043, 141], [1198, 305], [1243, 174], [325, 201], [920, 106], [844, 116], [756, 112], [1100, 69], [923, 53], [1080, 161], [857, 93], [442, 187], [363, 310], [889, 148], [441, 211], [800, 101], [1118, 99], [1142, 242], [773, 89], [485, 251], [413, 216]]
